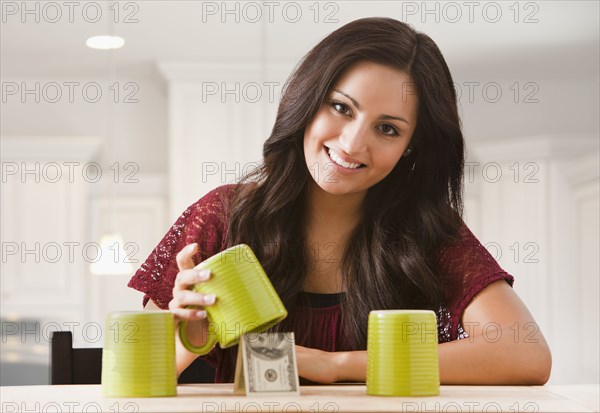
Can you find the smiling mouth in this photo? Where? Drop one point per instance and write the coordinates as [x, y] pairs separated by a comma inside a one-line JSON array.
[[341, 163]]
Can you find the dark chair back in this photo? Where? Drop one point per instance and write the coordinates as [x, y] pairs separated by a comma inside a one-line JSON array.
[[70, 365]]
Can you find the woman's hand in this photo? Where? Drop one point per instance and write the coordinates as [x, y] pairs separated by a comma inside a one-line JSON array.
[[317, 365], [186, 278], [189, 305]]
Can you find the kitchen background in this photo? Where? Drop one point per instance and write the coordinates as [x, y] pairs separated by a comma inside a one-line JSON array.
[[101, 150]]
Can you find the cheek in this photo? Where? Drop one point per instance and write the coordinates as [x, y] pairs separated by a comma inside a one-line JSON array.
[[309, 133], [311, 138], [321, 128], [390, 158], [308, 143]]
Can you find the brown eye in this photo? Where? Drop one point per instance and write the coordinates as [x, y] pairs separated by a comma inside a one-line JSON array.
[[339, 107], [389, 130]]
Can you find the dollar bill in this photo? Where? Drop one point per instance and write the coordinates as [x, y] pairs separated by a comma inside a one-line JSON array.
[[267, 365]]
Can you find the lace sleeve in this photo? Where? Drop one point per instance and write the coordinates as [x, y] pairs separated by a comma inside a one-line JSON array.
[[204, 222], [469, 268]]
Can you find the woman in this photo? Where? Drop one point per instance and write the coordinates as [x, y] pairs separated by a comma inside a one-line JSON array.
[[357, 207]]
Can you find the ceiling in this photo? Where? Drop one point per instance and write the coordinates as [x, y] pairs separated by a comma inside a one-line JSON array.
[[541, 38]]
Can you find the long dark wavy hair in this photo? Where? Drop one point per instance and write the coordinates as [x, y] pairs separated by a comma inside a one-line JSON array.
[[389, 260]]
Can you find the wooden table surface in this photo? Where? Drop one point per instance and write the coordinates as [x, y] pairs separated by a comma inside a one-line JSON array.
[[334, 398]]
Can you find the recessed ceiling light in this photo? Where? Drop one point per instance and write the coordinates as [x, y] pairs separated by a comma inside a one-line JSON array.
[[105, 42]]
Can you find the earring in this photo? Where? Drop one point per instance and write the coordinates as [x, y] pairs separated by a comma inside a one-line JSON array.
[[407, 152]]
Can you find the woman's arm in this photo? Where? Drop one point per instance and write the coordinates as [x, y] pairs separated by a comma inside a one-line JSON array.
[[505, 346]]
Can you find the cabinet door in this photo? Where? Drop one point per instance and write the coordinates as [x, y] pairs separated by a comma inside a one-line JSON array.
[[141, 222], [43, 244]]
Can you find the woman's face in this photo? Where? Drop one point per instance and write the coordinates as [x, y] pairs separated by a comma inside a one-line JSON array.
[[367, 120]]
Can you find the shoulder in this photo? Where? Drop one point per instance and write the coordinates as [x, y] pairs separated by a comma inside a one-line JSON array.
[[467, 261], [205, 221], [463, 242], [215, 203], [219, 195]]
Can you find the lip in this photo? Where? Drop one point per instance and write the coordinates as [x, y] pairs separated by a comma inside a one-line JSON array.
[[340, 168], [344, 157]]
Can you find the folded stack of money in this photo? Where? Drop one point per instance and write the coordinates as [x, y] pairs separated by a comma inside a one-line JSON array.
[[266, 365]]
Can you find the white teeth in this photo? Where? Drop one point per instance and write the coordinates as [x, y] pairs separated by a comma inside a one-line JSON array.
[[340, 162]]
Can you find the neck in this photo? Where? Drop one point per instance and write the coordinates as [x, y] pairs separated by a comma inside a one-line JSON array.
[[328, 210]]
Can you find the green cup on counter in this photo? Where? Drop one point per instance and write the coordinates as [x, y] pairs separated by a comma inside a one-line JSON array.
[[402, 353], [246, 300], [138, 358]]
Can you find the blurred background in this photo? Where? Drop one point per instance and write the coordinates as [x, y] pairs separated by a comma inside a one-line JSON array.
[[102, 150]]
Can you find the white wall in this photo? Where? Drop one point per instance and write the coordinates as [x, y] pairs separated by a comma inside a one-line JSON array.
[[140, 127]]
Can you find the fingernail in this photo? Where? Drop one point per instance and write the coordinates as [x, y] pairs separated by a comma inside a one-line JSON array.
[[204, 275], [209, 299], [190, 247], [201, 314]]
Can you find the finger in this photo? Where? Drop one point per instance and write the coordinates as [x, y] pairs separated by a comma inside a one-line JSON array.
[[184, 257], [188, 314], [187, 278], [186, 298]]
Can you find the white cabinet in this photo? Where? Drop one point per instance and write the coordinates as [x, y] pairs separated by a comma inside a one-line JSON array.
[[54, 209], [139, 212], [536, 209], [220, 114], [44, 228]]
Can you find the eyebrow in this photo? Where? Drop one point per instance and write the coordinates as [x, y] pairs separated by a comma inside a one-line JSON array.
[[358, 107]]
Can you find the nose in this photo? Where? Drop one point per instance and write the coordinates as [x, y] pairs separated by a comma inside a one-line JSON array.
[[353, 139]]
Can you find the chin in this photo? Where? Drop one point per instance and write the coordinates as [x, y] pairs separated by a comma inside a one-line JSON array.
[[336, 189]]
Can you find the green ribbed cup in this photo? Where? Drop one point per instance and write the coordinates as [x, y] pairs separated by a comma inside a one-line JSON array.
[[246, 300], [402, 353], [138, 358]]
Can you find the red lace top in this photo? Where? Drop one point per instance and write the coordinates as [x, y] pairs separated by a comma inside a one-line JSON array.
[[466, 263]]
